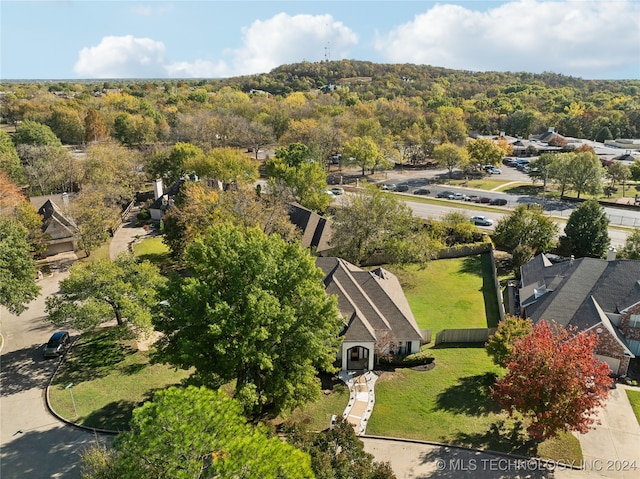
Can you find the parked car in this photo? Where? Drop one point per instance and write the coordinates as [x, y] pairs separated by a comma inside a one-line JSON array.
[[445, 194], [483, 199], [482, 221], [421, 191], [459, 196], [498, 201], [402, 187], [57, 345], [336, 190], [494, 171], [389, 187], [472, 198]]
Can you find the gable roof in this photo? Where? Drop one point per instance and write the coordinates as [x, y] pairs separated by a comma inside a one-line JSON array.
[[316, 230], [55, 223], [563, 292], [372, 301]]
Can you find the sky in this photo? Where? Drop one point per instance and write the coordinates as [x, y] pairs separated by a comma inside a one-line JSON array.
[[216, 39]]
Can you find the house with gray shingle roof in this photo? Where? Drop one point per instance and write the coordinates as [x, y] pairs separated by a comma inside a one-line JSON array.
[[58, 228], [377, 316], [588, 294], [316, 230]]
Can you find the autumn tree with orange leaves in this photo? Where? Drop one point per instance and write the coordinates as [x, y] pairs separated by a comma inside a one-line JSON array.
[[554, 379]]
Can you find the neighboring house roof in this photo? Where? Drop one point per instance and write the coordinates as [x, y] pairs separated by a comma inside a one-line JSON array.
[[55, 223], [162, 202], [579, 292], [372, 301], [316, 230]]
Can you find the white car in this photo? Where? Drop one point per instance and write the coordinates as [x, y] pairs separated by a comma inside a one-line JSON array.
[[330, 193], [481, 221]]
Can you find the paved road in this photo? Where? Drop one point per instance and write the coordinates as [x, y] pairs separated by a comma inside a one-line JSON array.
[[33, 444]]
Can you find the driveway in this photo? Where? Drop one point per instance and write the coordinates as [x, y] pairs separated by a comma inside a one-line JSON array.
[[33, 443], [610, 450]]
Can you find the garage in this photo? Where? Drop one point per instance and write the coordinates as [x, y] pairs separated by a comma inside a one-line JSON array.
[[613, 363]]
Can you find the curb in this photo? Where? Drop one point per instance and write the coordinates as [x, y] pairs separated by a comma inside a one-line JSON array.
[[58, 416], [542, 462]]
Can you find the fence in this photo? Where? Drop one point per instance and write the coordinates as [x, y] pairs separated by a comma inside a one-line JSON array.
[[472, 335]]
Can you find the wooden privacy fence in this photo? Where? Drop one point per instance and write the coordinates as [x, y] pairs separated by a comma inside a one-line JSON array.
[[471, 335]]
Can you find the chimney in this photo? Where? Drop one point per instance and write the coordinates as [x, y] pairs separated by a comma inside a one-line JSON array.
[[65, 200], [611, 254], [157, 189], [552, 129]]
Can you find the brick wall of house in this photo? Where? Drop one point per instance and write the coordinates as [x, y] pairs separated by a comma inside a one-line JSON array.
[[627, 331], [609, 346]]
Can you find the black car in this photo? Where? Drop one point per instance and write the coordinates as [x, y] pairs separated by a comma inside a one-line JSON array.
[[498, 201], [57, 344], [402, 187], [421, 191]]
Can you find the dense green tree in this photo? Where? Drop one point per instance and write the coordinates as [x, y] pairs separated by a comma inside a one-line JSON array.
[[134, 129], [541, 168], [500, 344], [295, 175], [449, 125], [586, 173], [364, 151], [484, 151], [337, 453], [9, 159], [253, 310], [228, 165], [98, 292], [195, 433], [93, 218], [526, 225], [33, 133], [67, 125], [170, 165], [561, 172], [17, 267], [450, 156], [373, 222], [587, 230]]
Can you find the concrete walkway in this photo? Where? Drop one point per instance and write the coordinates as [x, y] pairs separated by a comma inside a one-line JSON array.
[[126, 234], [612, 448], [361, 398]]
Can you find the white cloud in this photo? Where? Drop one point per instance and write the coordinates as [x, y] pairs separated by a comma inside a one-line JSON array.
[[122, 57], [267, 44], [582, 38], [287, 39]]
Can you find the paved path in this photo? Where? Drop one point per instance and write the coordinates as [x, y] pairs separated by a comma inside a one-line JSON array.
[[33, 443], [361, 399], [126, 235]]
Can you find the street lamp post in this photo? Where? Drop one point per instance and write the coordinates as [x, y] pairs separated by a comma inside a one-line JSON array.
[[73, 401]]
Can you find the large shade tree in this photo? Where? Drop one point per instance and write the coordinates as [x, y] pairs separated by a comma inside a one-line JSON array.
[[587, 230], [195, 433], [374, 222], [253, 310], [295, 174], [101, 291], [17, 267], [526, 225], [555, 380]]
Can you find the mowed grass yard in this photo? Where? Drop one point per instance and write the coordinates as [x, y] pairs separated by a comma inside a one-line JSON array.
[[110, 378], [634, 399]]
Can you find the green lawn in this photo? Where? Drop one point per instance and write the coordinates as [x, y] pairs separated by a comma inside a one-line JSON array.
[[451, 404], [451, 293], [110, 378], [317, 415], [153, 250], [634, 399]]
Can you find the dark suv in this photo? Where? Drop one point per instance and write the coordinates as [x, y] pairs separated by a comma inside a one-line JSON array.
[[57, 345]]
